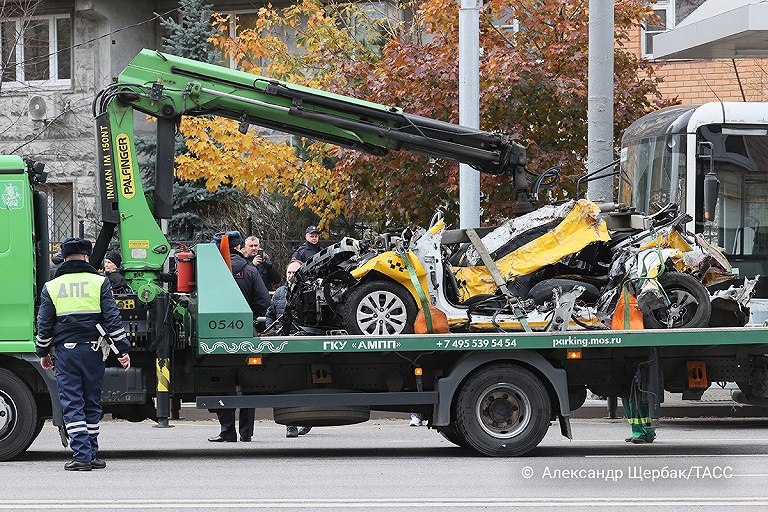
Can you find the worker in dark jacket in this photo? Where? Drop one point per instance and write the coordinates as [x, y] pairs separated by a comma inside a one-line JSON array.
[[277, 306], [310, 247], [113, 264], [71, 305], [258, 258], [246, 276], [273, 313], [248, 279]]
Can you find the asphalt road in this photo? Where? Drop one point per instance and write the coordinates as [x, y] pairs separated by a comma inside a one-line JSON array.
[[387, 465]]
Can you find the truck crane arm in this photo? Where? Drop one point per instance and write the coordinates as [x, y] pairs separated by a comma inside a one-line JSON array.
[[167, 87]]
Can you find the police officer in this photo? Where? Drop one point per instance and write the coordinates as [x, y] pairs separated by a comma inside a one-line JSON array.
[[70, 307], [310, 247]]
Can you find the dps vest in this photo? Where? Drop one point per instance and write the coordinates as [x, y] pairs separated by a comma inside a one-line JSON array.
[[78, 293]]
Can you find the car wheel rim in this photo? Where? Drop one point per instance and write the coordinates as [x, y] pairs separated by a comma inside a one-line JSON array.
[[681, 309], [381, 312], [503, 410]]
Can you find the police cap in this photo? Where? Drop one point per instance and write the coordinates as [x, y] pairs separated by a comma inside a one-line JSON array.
[[76, 246]]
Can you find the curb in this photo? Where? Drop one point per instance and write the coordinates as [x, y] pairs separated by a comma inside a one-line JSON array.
[[676, 408], [716, 403]]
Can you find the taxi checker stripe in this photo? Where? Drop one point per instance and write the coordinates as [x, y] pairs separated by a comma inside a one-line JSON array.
[[396, 265]]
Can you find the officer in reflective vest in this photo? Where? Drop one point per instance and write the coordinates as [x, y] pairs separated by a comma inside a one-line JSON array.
[[70, 307]]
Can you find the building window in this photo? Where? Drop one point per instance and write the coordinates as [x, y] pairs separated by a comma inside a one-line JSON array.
[[665, 12], [60, 211], [36, 50]]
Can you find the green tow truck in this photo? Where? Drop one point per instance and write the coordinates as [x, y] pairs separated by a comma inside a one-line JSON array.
[[493, 392]]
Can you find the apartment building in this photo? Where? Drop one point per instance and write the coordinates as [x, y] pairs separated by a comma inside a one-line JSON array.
[[738, 73], [58, 54]]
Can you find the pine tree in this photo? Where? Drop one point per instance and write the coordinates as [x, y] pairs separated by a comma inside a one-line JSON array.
[[198, 213]]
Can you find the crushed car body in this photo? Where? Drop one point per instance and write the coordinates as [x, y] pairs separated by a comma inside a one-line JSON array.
[[557, 268]]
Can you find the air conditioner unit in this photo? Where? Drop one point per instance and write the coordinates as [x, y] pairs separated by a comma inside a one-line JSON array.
[[37, 108]]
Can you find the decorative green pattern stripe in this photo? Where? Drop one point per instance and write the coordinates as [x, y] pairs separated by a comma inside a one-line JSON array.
[[517, 341]]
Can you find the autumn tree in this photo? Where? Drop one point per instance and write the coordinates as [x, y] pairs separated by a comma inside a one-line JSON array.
[[533, 86]]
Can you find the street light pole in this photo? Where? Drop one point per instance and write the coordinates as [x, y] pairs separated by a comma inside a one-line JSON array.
[[600, 97], [469, 107]]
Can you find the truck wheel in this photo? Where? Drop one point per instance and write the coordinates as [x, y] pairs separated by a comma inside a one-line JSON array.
[[18, 416], [450, 434], [322, 416], [690, 308], [379, 308], [38, 429], [502, 410]]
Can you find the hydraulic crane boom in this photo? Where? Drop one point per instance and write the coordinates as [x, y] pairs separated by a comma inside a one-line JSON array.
[[168, 87]]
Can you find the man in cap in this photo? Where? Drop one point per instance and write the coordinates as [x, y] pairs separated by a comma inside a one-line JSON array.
[[249, 281], [309, 248], [71, 305]]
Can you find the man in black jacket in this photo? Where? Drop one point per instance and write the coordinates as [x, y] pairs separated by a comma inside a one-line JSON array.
[[274, 312], [258, 258], [256, 294], [309, 248], [113, 263]]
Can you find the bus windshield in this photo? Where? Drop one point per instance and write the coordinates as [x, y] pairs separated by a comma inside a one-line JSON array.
[[653, 172]]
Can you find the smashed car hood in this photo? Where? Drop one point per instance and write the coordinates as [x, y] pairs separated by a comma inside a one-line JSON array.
[[580, 227]]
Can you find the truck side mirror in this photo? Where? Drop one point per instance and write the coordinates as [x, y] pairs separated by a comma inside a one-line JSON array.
[[711, 183], [36, 171]]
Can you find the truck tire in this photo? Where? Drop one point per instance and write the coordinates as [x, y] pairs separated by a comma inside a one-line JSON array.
[[502, 410], [450, 434], [322, 416], [379, 308], [691, 305], [18, 416], [38, 429]]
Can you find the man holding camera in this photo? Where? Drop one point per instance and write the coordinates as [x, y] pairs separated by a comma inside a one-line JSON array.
[[253, 252]]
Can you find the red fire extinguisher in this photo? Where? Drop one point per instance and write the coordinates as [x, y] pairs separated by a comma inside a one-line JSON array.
[[185, 271]]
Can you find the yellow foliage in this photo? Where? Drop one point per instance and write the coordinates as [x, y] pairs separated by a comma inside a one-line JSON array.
[[220, 154]]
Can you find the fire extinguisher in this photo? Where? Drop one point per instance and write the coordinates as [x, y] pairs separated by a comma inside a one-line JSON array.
[[185, 271]]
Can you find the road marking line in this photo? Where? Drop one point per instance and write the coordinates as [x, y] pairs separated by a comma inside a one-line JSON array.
[[515, 502], [676, 455]]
